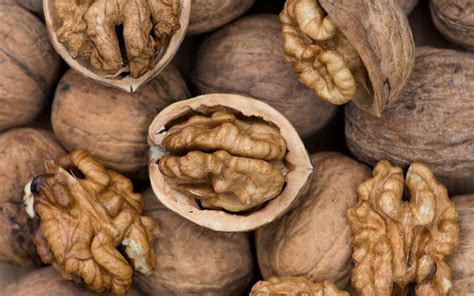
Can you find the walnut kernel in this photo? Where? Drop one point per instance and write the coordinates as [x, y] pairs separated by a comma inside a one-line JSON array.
[[295, 286]]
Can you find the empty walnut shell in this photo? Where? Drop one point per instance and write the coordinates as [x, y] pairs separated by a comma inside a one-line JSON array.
[[96, 52], [455, 20], [240, 156], [208, 15], [432, 122], [314, 239]]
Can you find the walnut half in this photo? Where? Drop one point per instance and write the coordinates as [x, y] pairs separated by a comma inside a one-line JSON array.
[[83, 213], [295, 286]]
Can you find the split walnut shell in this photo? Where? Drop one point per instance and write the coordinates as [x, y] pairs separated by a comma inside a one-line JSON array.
[[295, 286], [455, 20], [359, 50], [226, 151], [313, 239], [431, 122], [88, 36]]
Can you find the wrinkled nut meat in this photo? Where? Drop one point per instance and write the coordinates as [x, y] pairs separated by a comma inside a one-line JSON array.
[[224, 152], [398, 242], [84, 213], [295, 286], [345, 51]]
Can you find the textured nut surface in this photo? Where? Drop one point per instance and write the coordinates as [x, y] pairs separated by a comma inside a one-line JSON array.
[[314, 239], [336, 47], [407, 5], [398, 242], [110, 123], [247, 57], [430, 123], [23, 152], [82, 213], [35, 6], [191, 259], [208, 15], [295, 286], [28, 66]]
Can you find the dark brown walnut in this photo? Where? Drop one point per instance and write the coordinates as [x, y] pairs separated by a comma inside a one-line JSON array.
[[430, 123], [462, 261], [110, 123], [226, 162], [191, 259], [83, 213], [28, 66], [23, 152], [314, 239], [407, 5], [295, 286], [455, 20], [399, 242], [246, 57], [349, 50]]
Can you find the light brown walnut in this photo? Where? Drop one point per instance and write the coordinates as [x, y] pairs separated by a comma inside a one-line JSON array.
[[295, 286], [83, 212], [400, 242]]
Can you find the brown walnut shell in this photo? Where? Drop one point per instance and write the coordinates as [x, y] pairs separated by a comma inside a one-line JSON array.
[[455, 20], [35, 6], [246, 57], [23, 152], [208, 15], [192, 259], [28, 66], [296, 161], [314, 238], [432, 122], [123, 82], [111, 124]]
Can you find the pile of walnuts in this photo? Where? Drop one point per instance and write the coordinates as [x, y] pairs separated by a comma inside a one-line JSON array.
[[237, 147]]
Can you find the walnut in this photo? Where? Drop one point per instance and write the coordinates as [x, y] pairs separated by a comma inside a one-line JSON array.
[[191, 259], [23, 152], [314, 240], [361, 51], [84, 212], [121, 43], [295, 286], [110, 123], [407, 5], [208, 15], [226, 152], [246, 57], [398, 242], [455, 20], [35, 6], [462, 260], [431, 122], [28, 66]]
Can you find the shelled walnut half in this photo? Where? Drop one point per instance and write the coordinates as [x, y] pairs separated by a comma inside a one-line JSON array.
[[82, 213], [295, 286], [359, 50], [226, 162], [398, 242]]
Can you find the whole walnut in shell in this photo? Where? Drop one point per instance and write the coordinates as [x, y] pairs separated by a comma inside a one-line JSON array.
[[23, 152], [110, 123], [246, 57], [28, 66], [191, 259], [455, 20], [313, 239], [208, 15], [295, 286], [462, 261], [432, 122]]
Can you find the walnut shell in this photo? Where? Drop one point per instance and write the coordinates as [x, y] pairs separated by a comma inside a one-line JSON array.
[[295, 160], [407, 5], [28, 66], [208, 15], [122, 80], [23, 152], [35, 6], [431, 122], [246, 57], [192, 259], [314, 238], [462, 261], [110, 123], [455, 20]]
